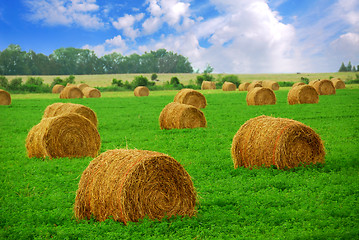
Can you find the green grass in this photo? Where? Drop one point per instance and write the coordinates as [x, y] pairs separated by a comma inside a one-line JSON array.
[[318, 202]]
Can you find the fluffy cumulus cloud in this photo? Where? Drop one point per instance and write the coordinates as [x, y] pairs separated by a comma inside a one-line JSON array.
[[126, 24], [116, 44]]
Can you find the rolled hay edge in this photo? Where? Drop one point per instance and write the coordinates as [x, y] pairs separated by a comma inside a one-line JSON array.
[[71, 91], [261, 96], [5, 97], [229, 86], [302, 94], [90, 92], [191, 97], [141, 91]]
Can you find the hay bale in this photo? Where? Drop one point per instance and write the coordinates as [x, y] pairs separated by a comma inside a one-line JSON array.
[[82, 86], [302, 94], [229, 86], [129, 185], [311, 83], [177, 115], [90, 92], [191, 97], [324, 87], [271, 84], [282, 142], [141, 91], [243, 86], [5, 98], [208, 85], [58, 109], [69, 135], [261, 96], [338, 83], [298, 84], [57, 88], [253, 85], [71, 91]]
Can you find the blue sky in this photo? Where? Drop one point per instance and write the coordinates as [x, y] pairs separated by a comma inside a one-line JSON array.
[[241, 36]]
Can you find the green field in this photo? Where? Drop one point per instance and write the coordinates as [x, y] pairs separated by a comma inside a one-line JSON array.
[[317, 202]]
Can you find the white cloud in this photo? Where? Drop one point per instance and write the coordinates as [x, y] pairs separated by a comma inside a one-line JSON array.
[[126, 24], [151, 25], [116, 44]]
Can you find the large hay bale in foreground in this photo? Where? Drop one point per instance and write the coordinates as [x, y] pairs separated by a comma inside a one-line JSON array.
[[69, 135], [82, 86], [324, 87], [271, 84], [229, 86], [338, 83], [129, 185], [5, 97], [302, 94], [57, 88], [206, 85], [90, 92], [253, 85], [191, 97], [141, 91], [282, 142], [57, 109], [71, 91], [298, 84], [261, 96], [177, 115], [243, 86]]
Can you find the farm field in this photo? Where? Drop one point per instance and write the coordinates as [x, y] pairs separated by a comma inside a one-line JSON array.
[[315, 202]]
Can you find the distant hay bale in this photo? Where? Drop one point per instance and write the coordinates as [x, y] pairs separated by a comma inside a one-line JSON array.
[[338, 83], [71, 92], [302, 94], [90, 92], [5, 97], [229, 86], [141, 91], [69, 135], [191, 97], [253, 85], [282, 142], [324, 87], [261, 96], [298, 84], [311, 83], [243, 86], [58, 109], [208, 85], [57, 88], [128, 185], [82, 86], [177, 115], [271, 84]]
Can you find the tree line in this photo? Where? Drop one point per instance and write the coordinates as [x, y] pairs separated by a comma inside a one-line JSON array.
[[348, 68], [74, 61]]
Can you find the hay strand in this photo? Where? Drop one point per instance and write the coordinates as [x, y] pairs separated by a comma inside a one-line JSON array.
[[261, 96], [141, 91], [90, 92], [324, 87], [243, 86], [302, 94], [338, 83], [229, 86], [71, 91], [191, 97], [5, 97], [206, 85], [57, 88], [271, 84]]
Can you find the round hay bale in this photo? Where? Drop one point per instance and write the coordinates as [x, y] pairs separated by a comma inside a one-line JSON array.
[[191, 97], [302, 94], [261, 96], [69, 135], [90, 92], [58, 109], [82, 86], [5, 98], [243, 86], [177, 115], [298, 84], [129, 185], [311, 83], [57, 88], [271, 84], [338, 83], [71, 92], [208, 85], [229, 86], [141, 91], [253, 85], [282, 142], [324, 87]]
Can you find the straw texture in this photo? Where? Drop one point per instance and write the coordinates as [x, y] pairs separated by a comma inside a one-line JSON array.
[[5, 97], [298, 84], [141, 91], [191, 97], [271, 84], [208, 85], [229, 86], [261, 96], [71, 91], [90, 92], [285, 143], [243, 86], [253, 85], [311, 83], [324, 87], [302, 94], [338, 83], [57, 88], [82, 86], [129, 185]]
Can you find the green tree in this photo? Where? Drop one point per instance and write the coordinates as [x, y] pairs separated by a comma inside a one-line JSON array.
[[349, 67], [141, 81], [4, 83], [208, 69], [154, 76], [342, 68], [231, 78], [174, 81]]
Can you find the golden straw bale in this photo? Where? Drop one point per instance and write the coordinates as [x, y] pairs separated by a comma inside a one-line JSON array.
[[324, 87], [57, 88], [311, 83], [253, 85], [298, 84], [128, 185], [90, 92], [271, 84], [282, 142], [69, 135], [71, 92], [58, 109], [302, 94], [243, 86], [177, 115], [191, 97], [229, 86], [5, 98], [208, 85], [141, 91], [261, 96], [82, 86], [338, 83]]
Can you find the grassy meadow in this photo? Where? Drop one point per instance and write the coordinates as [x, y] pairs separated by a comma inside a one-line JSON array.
[[316, 202]]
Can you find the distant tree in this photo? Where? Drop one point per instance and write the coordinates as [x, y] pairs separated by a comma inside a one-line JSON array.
[[154, 76], [342, 68], [354, 69], [208, 69], [15, 84], [116, 82], [174, 81], [141, 81], [231, 78], [4, 83], [349, 67]]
